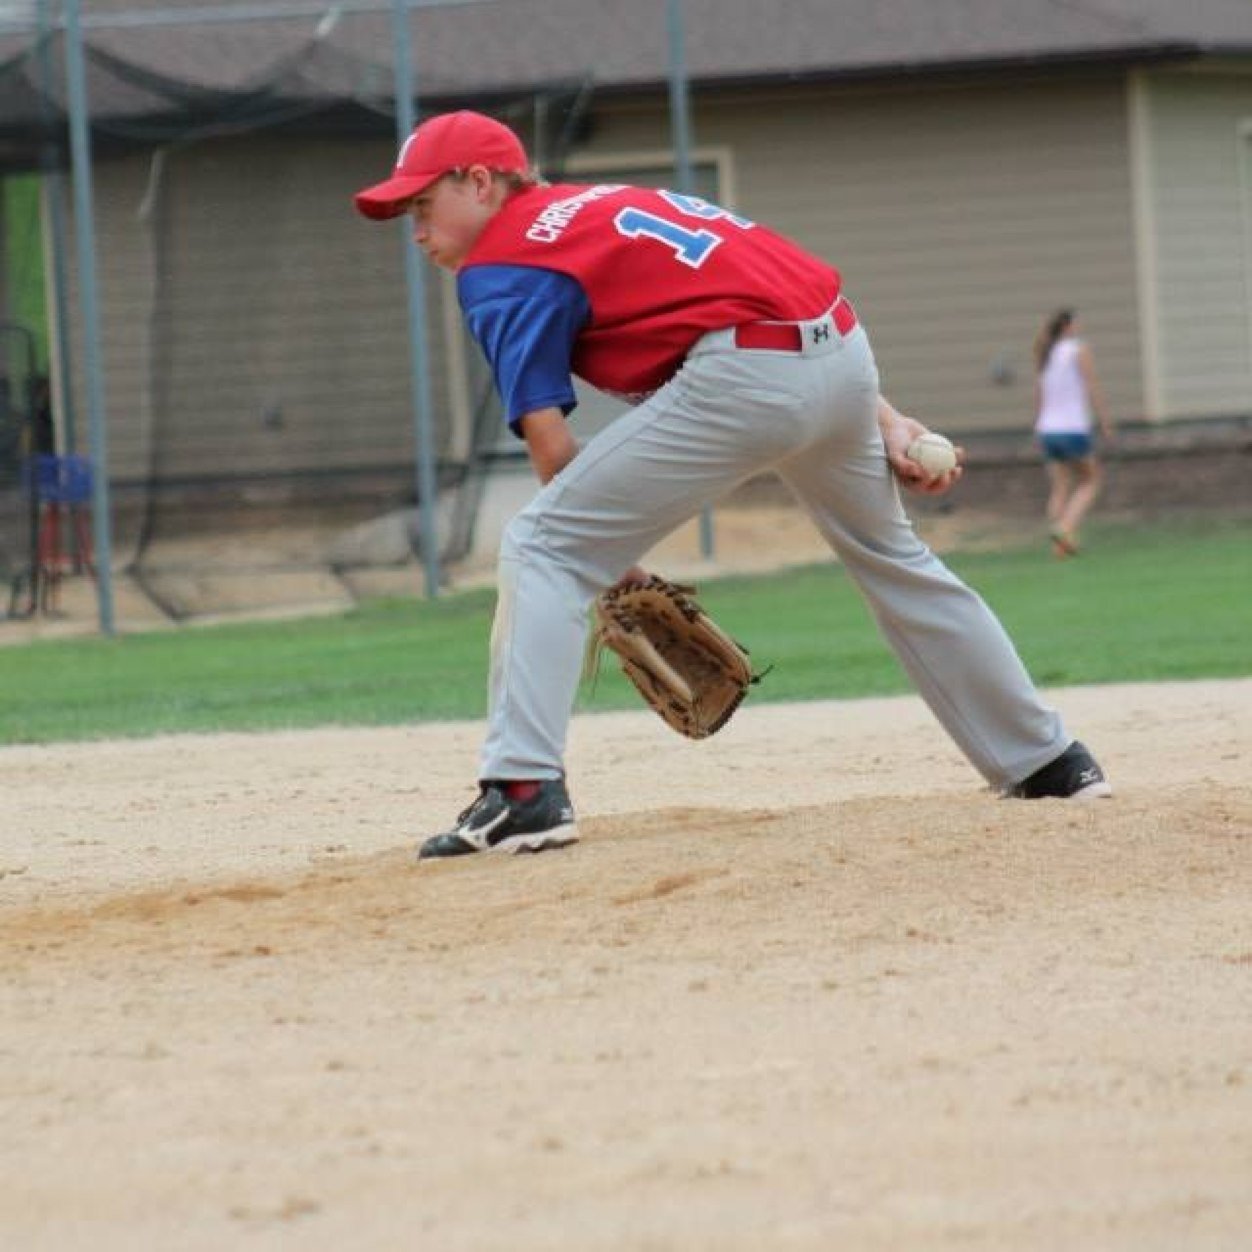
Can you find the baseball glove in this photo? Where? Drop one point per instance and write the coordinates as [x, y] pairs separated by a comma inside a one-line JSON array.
[[685, 666]]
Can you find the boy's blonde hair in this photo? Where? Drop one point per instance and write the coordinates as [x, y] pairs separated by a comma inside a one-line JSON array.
[[511, 180]]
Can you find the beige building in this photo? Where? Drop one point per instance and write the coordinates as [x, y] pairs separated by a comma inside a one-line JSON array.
[[969, 167]]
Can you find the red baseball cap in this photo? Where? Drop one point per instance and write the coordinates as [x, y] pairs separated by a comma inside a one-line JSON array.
[[450, 141]]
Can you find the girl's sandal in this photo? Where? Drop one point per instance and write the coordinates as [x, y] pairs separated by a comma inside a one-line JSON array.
[[1063, 544]]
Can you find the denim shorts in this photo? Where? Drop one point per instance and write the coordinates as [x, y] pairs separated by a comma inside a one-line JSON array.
[[1066, 447]]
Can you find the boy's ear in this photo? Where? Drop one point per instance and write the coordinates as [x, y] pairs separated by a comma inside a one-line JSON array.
[[482, 179]]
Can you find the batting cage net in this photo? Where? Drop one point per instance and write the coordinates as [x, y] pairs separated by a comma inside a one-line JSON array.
[[254, 336]]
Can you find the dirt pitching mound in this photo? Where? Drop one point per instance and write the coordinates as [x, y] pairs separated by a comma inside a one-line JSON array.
[[805, 986]]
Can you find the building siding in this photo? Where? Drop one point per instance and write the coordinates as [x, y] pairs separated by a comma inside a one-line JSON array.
[[959, 217], [252, 322], [1200, 210]]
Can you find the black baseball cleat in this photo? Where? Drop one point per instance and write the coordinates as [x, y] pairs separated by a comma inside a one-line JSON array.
[[1074, 775], [494, 823]]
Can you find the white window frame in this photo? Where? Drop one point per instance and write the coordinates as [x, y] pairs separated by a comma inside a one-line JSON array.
[[719, 156], [1143, 207], [1243, 167]]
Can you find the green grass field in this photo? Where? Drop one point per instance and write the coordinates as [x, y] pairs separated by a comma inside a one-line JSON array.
[[1144, 602]]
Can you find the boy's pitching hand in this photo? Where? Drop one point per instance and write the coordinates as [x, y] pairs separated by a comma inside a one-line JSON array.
[[898, 432]]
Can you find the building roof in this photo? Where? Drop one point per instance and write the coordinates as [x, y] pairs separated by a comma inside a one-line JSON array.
[[157, 64]]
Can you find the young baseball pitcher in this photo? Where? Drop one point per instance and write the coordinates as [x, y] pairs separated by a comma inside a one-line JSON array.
[[740, 354]]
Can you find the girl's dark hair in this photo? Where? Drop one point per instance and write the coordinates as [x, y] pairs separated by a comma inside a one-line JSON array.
[[1052, 330]]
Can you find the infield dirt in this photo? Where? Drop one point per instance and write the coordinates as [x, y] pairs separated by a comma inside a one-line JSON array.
[[805, 986]]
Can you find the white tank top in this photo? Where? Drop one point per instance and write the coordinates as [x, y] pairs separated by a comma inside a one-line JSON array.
[[1063, 404]]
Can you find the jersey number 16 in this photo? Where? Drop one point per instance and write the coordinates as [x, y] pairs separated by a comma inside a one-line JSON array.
[[692, 246]]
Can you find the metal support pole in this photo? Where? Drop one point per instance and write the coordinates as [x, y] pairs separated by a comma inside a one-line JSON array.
[[84, 229], [405, 86], [680, 125], [679, 101]]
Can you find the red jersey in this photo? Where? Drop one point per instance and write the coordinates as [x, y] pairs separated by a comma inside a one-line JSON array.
[[659, 270]]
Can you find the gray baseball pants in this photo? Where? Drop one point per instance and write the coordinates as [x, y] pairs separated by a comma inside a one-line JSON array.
[[728, 414]]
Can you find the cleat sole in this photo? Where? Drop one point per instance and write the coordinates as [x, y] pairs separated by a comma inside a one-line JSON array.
[[543, 841]]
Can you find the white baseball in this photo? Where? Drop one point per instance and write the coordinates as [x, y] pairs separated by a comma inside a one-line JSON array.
[[933, 453]]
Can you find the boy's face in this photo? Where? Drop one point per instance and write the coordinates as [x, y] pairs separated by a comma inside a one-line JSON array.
[[450, 214]]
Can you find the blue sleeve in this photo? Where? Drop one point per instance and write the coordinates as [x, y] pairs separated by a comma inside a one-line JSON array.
[[525, 320]]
